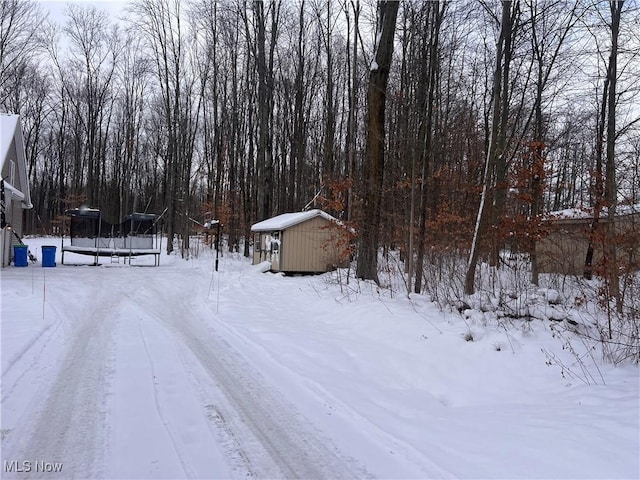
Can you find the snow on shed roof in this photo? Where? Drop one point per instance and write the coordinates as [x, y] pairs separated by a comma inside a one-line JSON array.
[[585, 213], [286, 220], [570, 213]]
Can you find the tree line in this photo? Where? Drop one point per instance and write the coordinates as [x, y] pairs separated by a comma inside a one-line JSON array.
[[434, 127]]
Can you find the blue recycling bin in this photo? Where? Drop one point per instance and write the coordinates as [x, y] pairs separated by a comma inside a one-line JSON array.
[[48, 256], [20, 255]]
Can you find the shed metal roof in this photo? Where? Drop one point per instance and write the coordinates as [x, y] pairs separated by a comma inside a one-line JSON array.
[[286, 220]]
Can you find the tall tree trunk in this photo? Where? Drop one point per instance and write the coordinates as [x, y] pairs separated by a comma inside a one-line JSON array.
[[367, 265], [330, 108], [510, 13], [265, 168], [611, 191], [298, 141], [352, 121], [436, 16], [493, 151], [598, 183]]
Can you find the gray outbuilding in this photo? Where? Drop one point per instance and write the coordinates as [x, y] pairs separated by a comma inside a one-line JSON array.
[[563, 248]]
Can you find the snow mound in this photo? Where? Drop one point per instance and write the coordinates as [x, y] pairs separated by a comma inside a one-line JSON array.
[[262, 267]]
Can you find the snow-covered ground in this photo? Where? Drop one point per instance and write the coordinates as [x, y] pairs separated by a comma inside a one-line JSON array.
[[177, 371]]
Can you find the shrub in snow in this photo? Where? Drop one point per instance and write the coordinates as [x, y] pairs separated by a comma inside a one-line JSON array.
[[504, 294]]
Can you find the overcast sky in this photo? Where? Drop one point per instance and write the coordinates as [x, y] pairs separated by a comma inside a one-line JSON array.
[[58, 8]]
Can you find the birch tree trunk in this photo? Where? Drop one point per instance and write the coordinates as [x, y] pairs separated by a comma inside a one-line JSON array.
[[492, 152]]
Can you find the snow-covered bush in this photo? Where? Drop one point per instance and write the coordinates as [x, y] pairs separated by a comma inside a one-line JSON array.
[[581, 307]]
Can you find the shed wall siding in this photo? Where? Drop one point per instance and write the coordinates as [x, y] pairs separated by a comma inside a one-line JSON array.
[[302, 246], [564, 249], [310, 247]]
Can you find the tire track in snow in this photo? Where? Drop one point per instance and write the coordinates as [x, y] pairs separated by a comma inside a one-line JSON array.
[[179, 451], [33, 351], [261, 432], [218, 427], [28, 346], [275, 438], [383, 441], [68, 425], [154, 399], [42, 338], [352, 416]]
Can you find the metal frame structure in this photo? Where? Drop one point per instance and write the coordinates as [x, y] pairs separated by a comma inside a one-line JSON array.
[[91, 235]]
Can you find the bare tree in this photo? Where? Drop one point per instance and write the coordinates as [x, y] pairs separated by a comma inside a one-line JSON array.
[[20, 23], [353, 89], [611, 186], [129, 177], [435, 16], [495, 162], [551, 23], [264, 55], [162, 24], [367, 265], [93, 58]]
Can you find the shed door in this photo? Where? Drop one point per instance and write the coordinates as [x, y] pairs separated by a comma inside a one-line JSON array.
[[274, 249]]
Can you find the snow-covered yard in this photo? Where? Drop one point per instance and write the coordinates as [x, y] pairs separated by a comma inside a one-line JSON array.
[[177, 371]]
